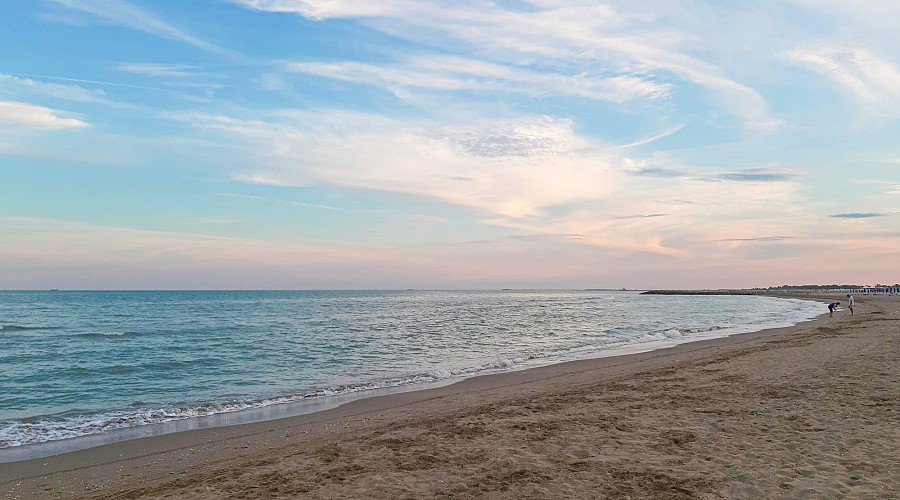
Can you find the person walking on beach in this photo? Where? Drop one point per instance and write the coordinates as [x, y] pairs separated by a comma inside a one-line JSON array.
[[831, 308], [850, 303]]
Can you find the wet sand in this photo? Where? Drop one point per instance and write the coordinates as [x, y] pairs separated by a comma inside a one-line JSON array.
[[803, 412]]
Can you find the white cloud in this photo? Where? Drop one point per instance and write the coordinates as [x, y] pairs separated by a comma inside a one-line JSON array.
[[534, 174], [514, 168], [36, 116]]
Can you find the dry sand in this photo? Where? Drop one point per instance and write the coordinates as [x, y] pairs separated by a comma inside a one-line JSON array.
[[804, 412]]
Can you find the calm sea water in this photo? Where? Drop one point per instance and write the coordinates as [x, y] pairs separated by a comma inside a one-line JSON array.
[[82, 363]]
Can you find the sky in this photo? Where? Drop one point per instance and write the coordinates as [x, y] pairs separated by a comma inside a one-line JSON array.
[[336, 144]]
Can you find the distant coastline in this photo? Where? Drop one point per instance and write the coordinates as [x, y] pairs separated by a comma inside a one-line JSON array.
[[786, 290]]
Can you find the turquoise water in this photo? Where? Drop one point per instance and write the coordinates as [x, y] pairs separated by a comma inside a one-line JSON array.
[[86, 363]]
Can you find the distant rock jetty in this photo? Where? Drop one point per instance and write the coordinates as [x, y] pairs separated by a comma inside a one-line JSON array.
[[705, 292]]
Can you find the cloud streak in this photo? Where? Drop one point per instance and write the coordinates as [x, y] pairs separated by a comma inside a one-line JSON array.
[[319, 10], [448, 73], [131, 16], [13, 85], [80, 80], [158, 70], [760, 239], [748, 175], [859, 215], [278, 200]]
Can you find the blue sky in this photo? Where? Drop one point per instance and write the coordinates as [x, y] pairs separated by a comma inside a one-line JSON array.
[[395, 144]]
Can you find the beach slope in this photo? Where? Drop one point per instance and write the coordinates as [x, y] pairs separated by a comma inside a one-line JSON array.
[[808, 411]]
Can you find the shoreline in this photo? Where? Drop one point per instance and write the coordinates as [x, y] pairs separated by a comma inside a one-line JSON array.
[[315, 404], [349, 443]]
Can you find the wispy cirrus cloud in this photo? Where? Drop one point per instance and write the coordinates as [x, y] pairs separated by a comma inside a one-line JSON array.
[[655, 137], [453, 73], [39, 117], [182, 76], [81, 80], [159, 70], [278, 200], [638, 55], [125, 14], [13, 85], [874, 81]]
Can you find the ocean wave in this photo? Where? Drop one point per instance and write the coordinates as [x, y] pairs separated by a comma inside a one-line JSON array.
[[20, 328], [14, 433], [104, 335], [40, 430]]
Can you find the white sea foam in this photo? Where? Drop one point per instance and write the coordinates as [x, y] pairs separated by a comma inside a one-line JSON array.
[[100, 335]]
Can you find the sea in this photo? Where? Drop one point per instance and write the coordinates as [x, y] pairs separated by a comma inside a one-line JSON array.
[[80, 368]]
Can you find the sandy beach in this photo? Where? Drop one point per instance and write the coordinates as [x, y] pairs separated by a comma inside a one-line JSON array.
[[803, 412]]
